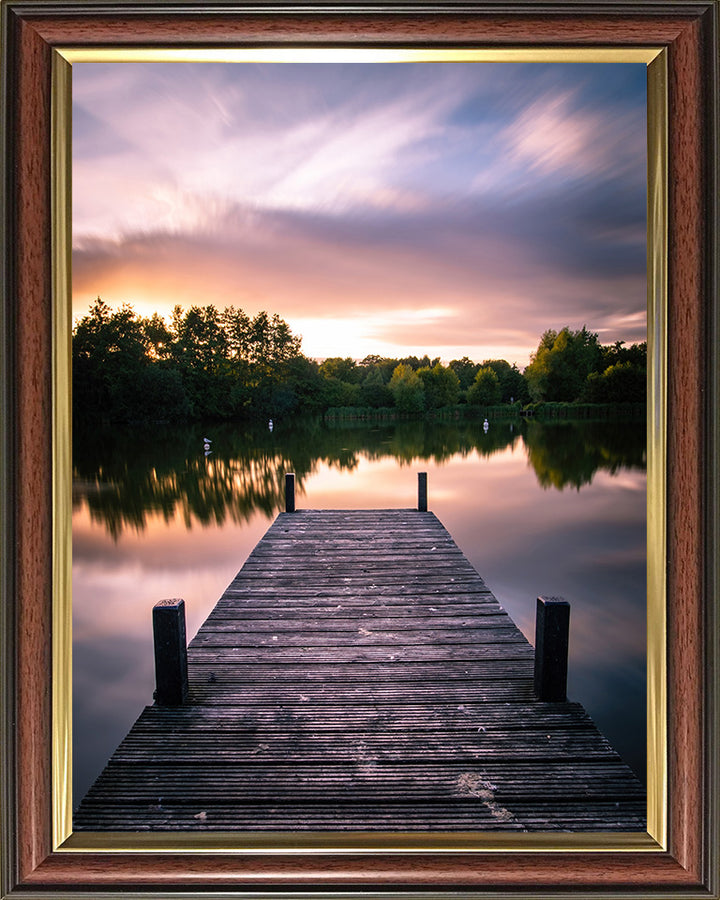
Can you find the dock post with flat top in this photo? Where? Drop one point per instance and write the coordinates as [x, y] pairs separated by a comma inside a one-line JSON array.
[[171, 671], [422, 491], [289, 492], [552, 628]]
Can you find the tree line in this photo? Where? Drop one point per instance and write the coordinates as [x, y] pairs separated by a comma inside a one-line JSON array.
[[207, 363]]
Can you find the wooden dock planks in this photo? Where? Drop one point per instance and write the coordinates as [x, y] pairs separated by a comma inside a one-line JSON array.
[[358, 674]]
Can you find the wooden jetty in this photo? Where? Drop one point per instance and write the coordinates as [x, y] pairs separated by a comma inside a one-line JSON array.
[[358, 674]]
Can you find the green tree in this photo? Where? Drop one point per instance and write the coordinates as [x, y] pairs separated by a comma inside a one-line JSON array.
[[340, 393], [619, 383], [201, 356], [407, 389], [511, 380], [238, 328], [271, 347], [382, 364], [283, 344], [158, 337], [416, 363], [485, 390], [301, 378], [373, 390], [441, 386], [200, 344], [109, 356], [206, 363], [560, 366], [343, 369], [160, 395], [466, 370], [113, 337], [612, 354]]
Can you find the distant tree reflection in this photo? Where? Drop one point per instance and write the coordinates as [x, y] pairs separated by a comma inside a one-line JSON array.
[[568, 454], [124, 475]]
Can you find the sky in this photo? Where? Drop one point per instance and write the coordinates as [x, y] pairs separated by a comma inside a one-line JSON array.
[[453, 209]]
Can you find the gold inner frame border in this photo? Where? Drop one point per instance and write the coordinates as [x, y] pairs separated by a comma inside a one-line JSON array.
[[656, 837]]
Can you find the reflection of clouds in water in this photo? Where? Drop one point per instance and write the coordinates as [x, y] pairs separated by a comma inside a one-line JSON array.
[[164, 543], [586, 545], [620, 481], [374, 484], [115, 586], [142, 569], [113, 679], [143, 474], [623, 723]]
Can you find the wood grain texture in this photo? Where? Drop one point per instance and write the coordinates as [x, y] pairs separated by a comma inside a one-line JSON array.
[[253, 749], [33, 447], [680, 27], [631, 872], [687, 371], [361, 28]]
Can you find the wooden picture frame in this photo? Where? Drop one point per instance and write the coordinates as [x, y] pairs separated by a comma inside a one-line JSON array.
[[32, 865]]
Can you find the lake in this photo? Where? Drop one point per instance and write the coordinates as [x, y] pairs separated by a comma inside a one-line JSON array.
[[538, 508]]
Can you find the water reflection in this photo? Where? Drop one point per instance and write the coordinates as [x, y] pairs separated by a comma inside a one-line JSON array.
[[570, 453], [124, 476], [554, 509]]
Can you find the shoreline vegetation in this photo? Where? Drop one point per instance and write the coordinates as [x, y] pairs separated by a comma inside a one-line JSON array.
[[592, 412], [222, 365]]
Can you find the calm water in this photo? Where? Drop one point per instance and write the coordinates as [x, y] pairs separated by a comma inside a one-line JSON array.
[[538, 509]]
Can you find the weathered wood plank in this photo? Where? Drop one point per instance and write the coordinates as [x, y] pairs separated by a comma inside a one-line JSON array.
[[358, 674]]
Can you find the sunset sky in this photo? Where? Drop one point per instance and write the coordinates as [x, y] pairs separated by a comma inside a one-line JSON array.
[[443, 208]]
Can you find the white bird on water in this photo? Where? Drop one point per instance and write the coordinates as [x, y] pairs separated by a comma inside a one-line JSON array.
[[207, 442]]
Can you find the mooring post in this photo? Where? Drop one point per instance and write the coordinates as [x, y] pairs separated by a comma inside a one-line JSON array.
[[552, 629], [422, 491], [171, 673], [289, 492]]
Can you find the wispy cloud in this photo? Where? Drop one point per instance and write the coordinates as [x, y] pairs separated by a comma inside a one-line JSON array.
[[512, 197]]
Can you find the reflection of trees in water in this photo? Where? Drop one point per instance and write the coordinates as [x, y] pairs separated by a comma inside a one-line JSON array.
[[570, 453], [125, 475], [419, 441]]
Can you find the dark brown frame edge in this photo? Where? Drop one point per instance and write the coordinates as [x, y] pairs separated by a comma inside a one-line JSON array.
[[689, 31]]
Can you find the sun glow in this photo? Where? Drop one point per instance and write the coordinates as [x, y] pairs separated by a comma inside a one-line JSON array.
[[360, 336]]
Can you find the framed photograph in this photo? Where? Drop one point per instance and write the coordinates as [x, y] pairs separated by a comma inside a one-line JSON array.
[[48, 48]]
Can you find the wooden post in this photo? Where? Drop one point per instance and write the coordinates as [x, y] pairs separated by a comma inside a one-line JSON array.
[[289, 492], [171, 674], [552, 628], [422, 491]]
